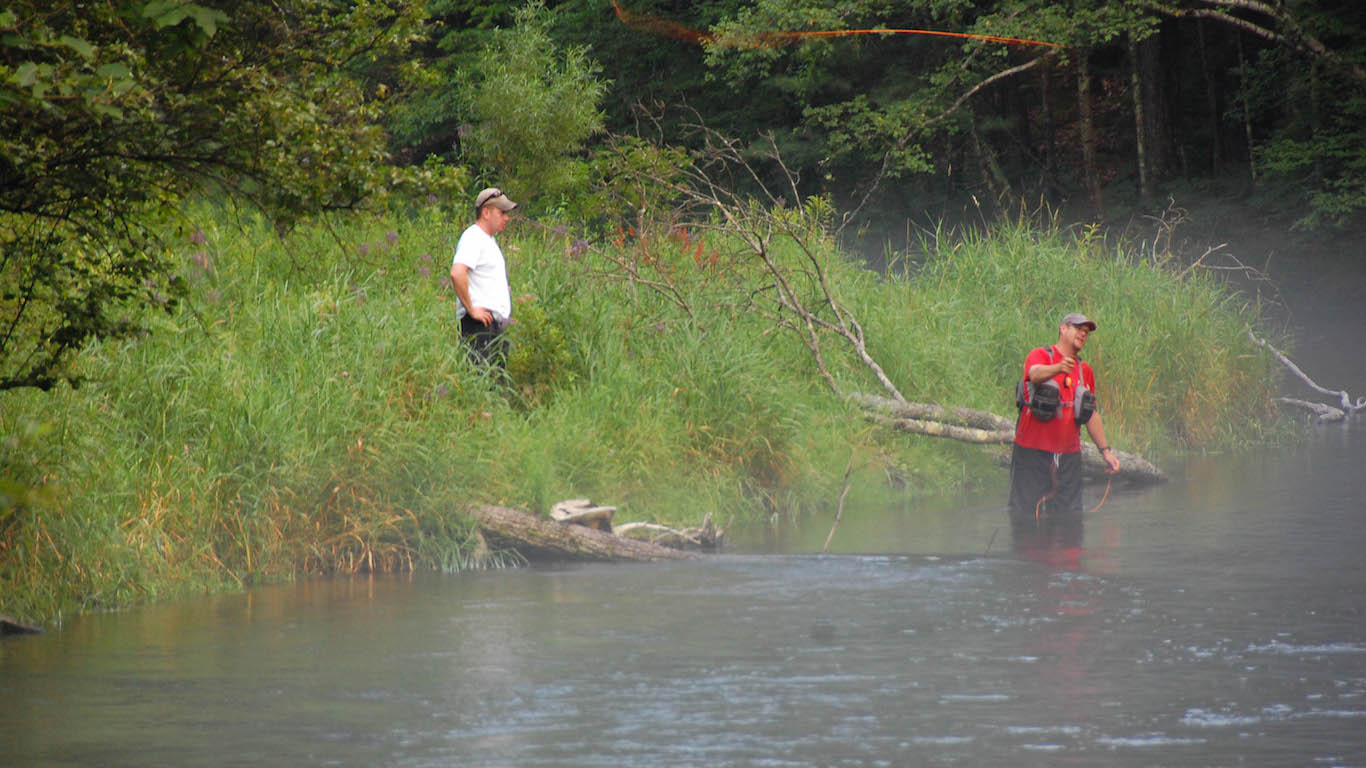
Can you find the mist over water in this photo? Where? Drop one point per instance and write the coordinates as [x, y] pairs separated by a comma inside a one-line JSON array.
[[1219, 619]]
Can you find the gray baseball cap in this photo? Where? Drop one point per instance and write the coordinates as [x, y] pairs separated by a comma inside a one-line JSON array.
[[493, 196], [1077, 318]]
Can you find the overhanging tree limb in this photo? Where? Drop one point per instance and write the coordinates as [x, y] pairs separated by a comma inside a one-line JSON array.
[[999, 76], [1295, 37]]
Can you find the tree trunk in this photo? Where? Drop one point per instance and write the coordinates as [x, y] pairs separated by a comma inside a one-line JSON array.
[[538, 539], [1212, 99], [1156, 113], [1046, 130], [1140, 126], [991, 171], [1090, 170], [1247, 110]]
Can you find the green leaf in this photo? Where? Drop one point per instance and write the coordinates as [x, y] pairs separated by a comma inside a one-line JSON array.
[[166, 13], [8, 19], [84, 48], [208, 19], [25, 74], [116, 70]]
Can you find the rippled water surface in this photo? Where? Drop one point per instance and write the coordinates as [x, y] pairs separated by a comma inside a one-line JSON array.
[[1218, 620]]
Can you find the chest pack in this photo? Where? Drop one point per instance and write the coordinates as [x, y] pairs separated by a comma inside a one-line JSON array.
[[1044, 400], [1041, 399]]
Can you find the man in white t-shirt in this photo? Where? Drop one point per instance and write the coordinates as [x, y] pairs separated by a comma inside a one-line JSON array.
[[480, 277]]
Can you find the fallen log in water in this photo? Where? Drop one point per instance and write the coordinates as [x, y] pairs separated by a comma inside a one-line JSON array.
[[10, 626], [1322, 413], [536, 538], [984, 428]]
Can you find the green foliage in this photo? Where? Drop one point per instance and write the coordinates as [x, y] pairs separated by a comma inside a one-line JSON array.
[[307, 408], [113, 111], [630, 179], [541, 360], [533, 105], [1317, 152]]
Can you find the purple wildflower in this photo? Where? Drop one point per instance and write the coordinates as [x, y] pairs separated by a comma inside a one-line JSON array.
[[198, 237], [391, 237], [363, 249], [423, 271]]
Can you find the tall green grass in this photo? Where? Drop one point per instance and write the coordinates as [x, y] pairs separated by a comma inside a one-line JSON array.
[[309, 409]]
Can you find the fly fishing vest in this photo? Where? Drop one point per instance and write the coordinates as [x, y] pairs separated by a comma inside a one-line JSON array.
[[1044, 400]]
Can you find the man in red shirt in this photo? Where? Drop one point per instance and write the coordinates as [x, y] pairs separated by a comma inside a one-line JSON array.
[[1045, 463]]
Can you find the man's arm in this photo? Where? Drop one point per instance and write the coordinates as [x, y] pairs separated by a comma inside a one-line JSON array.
[[1096, 428], [1040, 373], [460, 278]]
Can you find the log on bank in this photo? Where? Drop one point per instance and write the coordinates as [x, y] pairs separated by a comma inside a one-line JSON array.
[[536, 538]]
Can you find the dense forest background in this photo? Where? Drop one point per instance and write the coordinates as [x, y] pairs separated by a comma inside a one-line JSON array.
[[112, 114], [1137, 99]]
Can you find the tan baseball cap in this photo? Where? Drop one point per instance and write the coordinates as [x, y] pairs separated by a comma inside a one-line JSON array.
[[493, 196], [1077, 318]]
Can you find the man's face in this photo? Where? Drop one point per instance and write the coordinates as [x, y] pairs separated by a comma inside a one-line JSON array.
[[497, 218], [1077, 335]]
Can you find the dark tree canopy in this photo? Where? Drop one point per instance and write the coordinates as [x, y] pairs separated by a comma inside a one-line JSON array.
[[1141, 92]]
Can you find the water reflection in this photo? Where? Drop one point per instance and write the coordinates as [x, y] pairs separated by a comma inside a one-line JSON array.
[[1174, 626]]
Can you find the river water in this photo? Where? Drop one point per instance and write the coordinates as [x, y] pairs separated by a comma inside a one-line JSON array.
[[1217, 620]]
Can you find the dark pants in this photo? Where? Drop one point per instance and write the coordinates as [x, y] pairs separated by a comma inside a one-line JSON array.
[[487, 344], [1044, 484]]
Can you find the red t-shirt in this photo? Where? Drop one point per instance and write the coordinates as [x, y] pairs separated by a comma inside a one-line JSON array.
[[1061, 435]]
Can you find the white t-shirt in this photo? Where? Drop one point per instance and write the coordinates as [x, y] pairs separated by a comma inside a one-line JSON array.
[[488, 273]]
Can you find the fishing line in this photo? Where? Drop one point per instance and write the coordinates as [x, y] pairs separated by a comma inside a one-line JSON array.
[[1103, 497], [1054, 472], [678, 31]]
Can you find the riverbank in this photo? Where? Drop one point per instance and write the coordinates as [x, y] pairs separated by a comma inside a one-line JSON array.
[[306, 408]]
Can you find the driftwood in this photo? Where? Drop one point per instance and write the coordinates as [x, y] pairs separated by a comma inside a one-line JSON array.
[[582, 512], [1324, 413], [536, 538], [706, 537], [985, 428], [965, 417], [9, 626]]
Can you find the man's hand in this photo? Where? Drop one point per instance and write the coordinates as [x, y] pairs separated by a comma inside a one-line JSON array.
[[1067, 365], [460, 281], [1109, 456], [482, 315]]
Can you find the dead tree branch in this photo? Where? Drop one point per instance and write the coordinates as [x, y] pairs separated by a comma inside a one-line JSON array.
[[839, 507], [797, 295], [1345, 399]]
